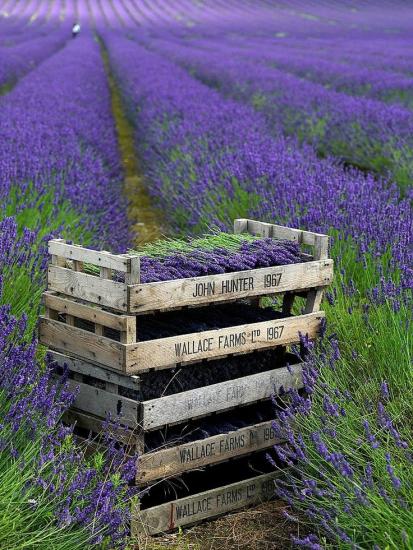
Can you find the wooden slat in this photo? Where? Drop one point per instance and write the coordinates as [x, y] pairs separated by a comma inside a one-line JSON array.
[[118, 262], [94, 424], [240, 226], [209, 504], [102, 292], [281, 232], [133, 277], [236, 285], [315, 296], [82, 343], [218, 397], [102, 403], [106, 273], [166, 352], [87, 312], [197, 454], [313, 302], [78, 365]]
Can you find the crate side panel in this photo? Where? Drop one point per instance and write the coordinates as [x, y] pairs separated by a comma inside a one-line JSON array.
[[197, 454], [208, 504], [169, 351], [88, 369], [103, 292], [218, 397], [89, 346], [230, 286], [101, 258], [102, 403]]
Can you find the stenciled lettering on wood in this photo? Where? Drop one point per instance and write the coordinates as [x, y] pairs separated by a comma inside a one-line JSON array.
[[227, 444], [230, 286], [227, 341], [224, 500]]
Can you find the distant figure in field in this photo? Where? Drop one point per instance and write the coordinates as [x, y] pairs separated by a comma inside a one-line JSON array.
[[75, 30]]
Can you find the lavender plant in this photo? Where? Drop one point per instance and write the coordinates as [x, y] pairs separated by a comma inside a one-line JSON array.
[[363, 132]]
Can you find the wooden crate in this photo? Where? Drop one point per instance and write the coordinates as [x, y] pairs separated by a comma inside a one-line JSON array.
[[92, 326], [109, 305], [93, 405], [139, 357], [66, 276], [204, 505]]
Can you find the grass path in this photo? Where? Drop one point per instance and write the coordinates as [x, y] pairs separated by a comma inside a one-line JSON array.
[[146, 220]]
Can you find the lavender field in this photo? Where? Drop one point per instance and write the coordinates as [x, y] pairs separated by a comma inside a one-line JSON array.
[[172, 117]]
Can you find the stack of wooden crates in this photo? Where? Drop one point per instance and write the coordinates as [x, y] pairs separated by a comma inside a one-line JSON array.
[[91, 325]]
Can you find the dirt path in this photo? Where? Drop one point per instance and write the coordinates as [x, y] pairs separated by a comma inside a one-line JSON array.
[[146, 221]]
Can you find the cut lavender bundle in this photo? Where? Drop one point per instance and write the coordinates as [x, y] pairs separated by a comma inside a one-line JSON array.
[[203, 261]]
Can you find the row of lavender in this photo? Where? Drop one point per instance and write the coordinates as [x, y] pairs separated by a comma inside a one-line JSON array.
[[61, 175], [362, 131], [18, 60], [210, 158], [354, 75], [196, 145]]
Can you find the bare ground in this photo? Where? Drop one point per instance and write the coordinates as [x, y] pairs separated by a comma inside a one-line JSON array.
[[261, 528]]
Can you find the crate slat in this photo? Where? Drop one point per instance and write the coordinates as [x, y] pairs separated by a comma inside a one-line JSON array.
[[102, 292], [277, 231], [181, 349], [211, 450], [118, 262], [89, 369], [205, 505], [103, 403], [230, 286], [93, 424], [92, 347], [85, 311], [179, 407]]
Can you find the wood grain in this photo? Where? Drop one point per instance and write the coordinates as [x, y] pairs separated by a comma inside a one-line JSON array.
[[209, 504], [211, 450], [178, 407], [84, 344], [278, 231], [118, 262], [99, 291], [167, 352], [230, 286], [102, 403], [88, 369], [63, 304]]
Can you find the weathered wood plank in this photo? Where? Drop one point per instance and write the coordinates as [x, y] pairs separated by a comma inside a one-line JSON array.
[[63, 304], [281, 232], [102, 292], [82, 343], [218, 397], [133, 277], [228, 286], [118, 262], [94, 424], [164, 352], [314, 299], [209, 504], [102, 403], [197, 454], [88, 369]]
